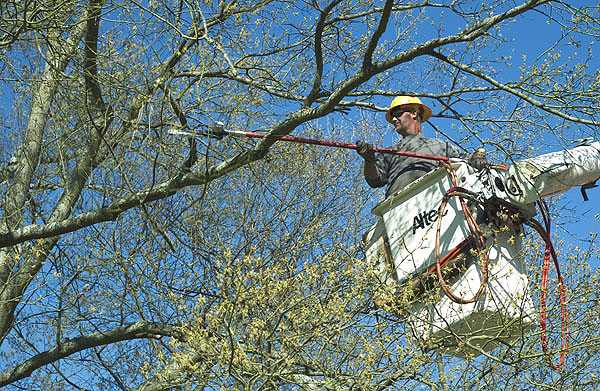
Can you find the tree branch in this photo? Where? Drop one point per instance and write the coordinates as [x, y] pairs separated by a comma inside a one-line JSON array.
[[468, 34], [108, 213], [316, 88], [85, 164], [527, 98], [60, 54], [68, 347], [385, 16]]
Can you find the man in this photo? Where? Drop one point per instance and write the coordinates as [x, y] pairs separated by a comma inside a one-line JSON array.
[[407, 113]]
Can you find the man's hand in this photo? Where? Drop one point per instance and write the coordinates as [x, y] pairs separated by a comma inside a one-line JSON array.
[[365, 150], [478, 159]]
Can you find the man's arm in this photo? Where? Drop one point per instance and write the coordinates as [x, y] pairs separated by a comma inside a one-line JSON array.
[[370, 171], [477, 159]]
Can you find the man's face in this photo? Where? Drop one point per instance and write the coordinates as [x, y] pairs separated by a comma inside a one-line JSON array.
[[406, 120]]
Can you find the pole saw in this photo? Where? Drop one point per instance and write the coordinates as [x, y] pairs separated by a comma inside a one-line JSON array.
[[218, 132]]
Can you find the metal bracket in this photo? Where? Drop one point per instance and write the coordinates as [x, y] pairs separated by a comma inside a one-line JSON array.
[[587, 186]]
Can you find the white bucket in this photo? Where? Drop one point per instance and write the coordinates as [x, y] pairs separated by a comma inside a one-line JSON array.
[[401, 246], [504, 312]]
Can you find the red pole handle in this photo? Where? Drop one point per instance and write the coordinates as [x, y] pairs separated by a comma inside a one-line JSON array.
[[348, 146]]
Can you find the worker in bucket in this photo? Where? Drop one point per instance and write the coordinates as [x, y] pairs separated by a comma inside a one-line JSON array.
[[407, 113]]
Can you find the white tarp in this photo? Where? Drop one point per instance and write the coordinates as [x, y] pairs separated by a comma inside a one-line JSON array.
[[532, 179]]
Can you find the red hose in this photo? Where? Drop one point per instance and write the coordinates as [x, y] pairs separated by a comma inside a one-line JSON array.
[[479, 241], [476, 234], [549, 252]]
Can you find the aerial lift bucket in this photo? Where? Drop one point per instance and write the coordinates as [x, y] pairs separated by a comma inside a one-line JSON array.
[[401, 247]]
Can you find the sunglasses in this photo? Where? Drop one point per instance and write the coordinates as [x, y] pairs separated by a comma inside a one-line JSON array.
[[398, 112]]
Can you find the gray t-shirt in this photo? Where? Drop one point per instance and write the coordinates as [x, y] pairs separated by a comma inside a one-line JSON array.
[[397, 171]]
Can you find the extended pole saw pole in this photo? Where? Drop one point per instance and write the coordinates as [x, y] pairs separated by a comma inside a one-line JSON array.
[[219, 132]]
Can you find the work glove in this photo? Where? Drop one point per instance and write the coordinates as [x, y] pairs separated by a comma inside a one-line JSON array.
[[365, 150], [478, 159]]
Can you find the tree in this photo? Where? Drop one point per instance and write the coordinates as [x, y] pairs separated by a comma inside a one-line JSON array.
[[231, 263]]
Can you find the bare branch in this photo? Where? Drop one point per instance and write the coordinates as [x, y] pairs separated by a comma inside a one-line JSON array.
[[316, 87], [26, 165], [383, 21], [138, 330], [513, 91]]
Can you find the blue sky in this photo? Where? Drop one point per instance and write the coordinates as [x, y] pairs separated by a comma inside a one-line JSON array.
[[531, 39]]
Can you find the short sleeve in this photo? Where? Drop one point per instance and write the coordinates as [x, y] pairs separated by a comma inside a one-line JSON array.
[[383, 165]]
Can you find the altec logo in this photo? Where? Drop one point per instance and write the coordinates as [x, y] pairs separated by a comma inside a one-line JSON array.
[[426, 218]]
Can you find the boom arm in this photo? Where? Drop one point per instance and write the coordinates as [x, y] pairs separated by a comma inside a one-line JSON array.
[[532, 179]]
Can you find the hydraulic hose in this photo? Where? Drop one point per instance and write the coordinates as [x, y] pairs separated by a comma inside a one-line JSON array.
[[544, 231]]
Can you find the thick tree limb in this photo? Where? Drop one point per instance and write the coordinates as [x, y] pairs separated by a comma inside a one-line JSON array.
[[68, 347], [28, 157], [13, 283]]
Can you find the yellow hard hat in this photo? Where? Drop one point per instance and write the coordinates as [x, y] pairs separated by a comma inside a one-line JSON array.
[[408, 101]]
